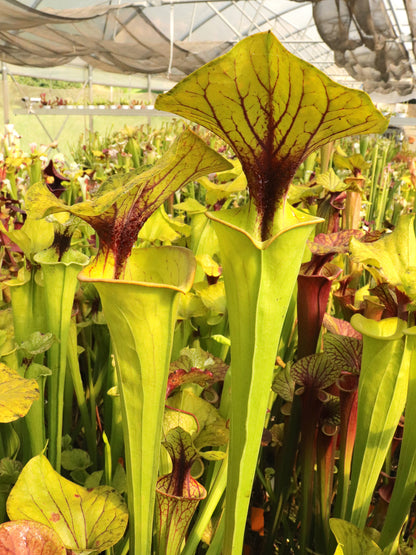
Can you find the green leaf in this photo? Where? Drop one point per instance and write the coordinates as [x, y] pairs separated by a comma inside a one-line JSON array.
[[394, 255], [179, 419], [25, 537], [212, 428], [213, 455], [75, 459], [33, 236], [283, 383], [223, 188], [191, 206], [331, 182], [382, 391], [140, 310], [213, 296], [37, 343], [210, 267], [344, 352], [298, 192], [317, 371], [123, 204], [16, 394], [351, 540], [85, 520], [404, 485], [160, 227], [273, 109], [119, 480], [355, 163], [7, 340]]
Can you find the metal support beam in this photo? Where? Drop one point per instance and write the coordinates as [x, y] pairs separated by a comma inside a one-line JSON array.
[[90, 98], [149, 87], [6, 108]]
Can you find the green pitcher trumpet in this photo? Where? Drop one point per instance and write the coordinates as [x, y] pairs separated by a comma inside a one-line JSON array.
[[140, 310]]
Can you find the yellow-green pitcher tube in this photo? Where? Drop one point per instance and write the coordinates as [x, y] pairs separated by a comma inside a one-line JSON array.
[[259, 280], [140, 310]]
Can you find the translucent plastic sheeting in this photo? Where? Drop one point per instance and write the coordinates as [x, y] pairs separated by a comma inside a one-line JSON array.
[[115, 38]]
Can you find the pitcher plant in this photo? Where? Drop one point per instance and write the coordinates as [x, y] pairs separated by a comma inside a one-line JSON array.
[[139, 292], [274, 110]]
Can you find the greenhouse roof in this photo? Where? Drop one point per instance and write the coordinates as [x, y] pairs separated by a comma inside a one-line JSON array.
[[366, 43]]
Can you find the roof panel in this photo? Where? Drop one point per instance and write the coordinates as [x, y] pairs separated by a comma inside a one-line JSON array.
[[367, 43]]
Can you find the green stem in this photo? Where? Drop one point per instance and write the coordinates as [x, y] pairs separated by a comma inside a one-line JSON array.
[[60, 278], [73, 365], [206, 510], [28, 317]]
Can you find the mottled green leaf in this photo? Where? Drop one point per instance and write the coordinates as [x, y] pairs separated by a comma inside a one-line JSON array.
[[273, 109], [325, 243], [16, 394], [37, 343], [86, 520]]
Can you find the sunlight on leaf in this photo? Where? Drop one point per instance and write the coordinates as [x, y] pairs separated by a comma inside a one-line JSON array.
[[16, 394], [387, 329], [273, 109], [351, 540], [394, 255], [85, 520], [32, 237], [331, 182]]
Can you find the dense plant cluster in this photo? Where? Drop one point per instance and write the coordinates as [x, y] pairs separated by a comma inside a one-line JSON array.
[[135, 275]]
